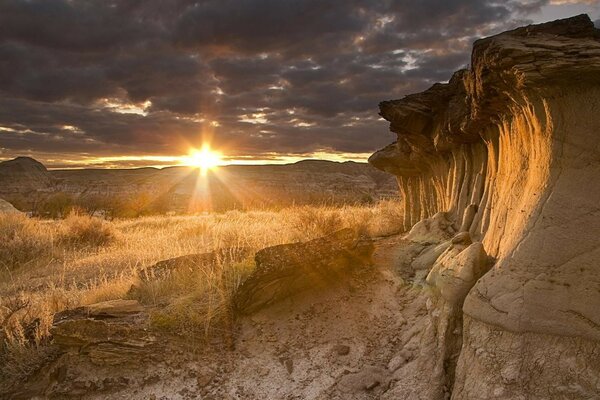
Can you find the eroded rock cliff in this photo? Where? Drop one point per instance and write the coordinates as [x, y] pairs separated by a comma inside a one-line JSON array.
[[509, 152]]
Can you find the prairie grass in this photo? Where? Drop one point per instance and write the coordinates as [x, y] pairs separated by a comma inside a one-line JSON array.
[[50, 266], [82, 230], [23, 242]]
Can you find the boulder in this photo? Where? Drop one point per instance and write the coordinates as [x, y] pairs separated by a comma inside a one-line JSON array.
[[284, 270], [436, 229], [456, 271]]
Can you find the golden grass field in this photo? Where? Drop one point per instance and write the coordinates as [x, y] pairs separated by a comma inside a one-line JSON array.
[[48, 266]]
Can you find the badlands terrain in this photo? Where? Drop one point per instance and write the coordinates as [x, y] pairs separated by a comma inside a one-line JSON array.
[[485, 286], [28, 184]]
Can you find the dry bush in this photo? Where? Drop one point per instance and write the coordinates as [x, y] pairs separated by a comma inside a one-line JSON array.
[[19, 361], [83, 230], [196, 303], [23, 241], [387, 219], [23, 344], [106, 288], [313, 222]]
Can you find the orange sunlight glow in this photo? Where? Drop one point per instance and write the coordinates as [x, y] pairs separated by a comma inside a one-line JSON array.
[[205, 158]]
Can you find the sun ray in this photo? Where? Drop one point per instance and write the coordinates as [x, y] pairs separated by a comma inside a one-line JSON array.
[[205, 159]]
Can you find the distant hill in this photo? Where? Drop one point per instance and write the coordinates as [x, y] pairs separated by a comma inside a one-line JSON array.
[[27, 183], [24, 175]]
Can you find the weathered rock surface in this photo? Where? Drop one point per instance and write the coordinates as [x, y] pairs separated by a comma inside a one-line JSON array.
[[284, 270], [508, 152], [109, 333]]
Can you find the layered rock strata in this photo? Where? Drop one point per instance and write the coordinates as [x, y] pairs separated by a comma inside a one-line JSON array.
[[509, 152], [285, 270]]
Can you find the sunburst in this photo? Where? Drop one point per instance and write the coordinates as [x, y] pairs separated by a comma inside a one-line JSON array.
[[205, 159]]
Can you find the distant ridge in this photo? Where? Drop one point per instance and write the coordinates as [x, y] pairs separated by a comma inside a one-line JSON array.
[[27, 181]]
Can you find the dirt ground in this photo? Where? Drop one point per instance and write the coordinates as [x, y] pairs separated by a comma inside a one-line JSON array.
[[352, 341]]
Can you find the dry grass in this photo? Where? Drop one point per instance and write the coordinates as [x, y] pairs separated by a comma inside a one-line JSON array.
[[23, 241], [49, 266], [198, 302], [81, 230]]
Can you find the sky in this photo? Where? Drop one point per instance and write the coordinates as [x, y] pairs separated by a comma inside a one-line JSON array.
[[137, 83]]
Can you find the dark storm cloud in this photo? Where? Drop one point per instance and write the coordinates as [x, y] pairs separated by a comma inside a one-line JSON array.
[[261, 76]]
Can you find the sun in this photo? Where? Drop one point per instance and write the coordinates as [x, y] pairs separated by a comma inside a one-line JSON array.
[[204, 158]]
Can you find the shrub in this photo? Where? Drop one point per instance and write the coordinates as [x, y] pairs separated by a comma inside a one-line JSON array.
[[311, 222], [196, 303], [387, 219], [81, 230], [23, 240], [19, 361]]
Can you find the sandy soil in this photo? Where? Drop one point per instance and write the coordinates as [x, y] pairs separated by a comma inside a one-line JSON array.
[[349, 342]]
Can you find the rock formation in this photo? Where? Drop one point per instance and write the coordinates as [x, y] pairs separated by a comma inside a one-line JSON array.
[[284, 270], [508, 154], [109, 333]]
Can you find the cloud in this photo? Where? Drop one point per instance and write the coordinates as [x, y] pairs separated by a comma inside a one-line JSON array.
[[259, 77]]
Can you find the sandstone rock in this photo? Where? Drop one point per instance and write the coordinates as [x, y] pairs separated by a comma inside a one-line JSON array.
[[507, 151], [431, 230], [468, 217], [430, 254], [456, 271], [284, 270], [108, 333]]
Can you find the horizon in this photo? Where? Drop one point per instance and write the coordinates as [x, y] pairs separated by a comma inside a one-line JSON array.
[[147, 85], [160, 167]]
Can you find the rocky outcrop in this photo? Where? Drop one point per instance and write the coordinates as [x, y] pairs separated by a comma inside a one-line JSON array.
[[108, 333], [285, 270], [507, 152], [7, 208]]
